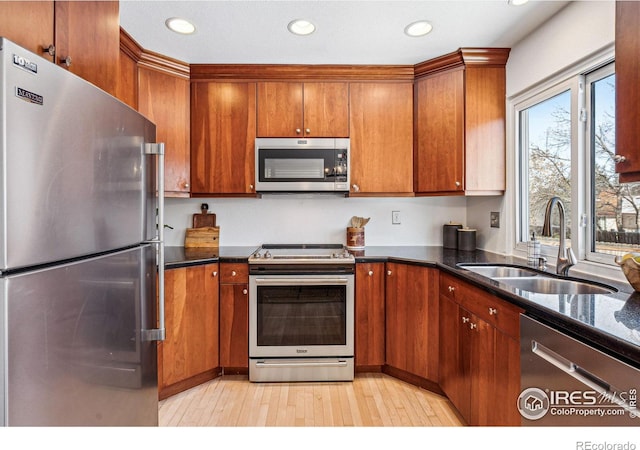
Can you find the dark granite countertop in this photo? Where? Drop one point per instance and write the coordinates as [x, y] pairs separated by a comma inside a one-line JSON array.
[[175, 257], [609, 322]]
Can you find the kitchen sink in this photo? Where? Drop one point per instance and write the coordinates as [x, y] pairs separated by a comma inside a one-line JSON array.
[[493, 271], [549, 285], [537, 282]]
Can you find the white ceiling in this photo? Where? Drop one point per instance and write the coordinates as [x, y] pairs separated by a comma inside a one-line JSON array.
[[347, 32]]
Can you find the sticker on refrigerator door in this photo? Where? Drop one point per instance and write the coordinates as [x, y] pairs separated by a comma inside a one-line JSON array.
[[25, 64], [29, 96]]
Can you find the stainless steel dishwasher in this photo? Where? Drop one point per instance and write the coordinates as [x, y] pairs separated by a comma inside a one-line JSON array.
[[565, 382]]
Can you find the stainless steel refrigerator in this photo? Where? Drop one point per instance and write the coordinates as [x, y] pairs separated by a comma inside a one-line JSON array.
[[80, 251]]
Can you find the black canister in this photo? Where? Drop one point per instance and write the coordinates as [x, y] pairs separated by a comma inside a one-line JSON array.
[[450, 235], [466, 239]]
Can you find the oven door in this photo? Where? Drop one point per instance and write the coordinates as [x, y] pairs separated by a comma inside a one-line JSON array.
[[301, 315]]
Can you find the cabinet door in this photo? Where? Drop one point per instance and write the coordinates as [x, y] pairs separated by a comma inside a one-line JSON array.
[[164, 99], [28, 24], [381, 132], [234, 325], [191, 320], [370, 315], [88, 33], [223, 132], [326, 110], [627, 92], [279, 109], [453, 373], [439, 118], [412, 329]]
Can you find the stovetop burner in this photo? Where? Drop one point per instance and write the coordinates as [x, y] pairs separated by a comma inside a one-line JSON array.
[[302, 253]]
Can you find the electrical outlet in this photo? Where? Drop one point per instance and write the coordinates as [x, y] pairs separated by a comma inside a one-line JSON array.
[[395, 217], [495, 219]]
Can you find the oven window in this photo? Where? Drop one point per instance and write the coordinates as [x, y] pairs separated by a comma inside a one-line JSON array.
[[301, 315]]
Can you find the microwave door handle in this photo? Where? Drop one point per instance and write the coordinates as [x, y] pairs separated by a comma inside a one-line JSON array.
[[582, 375]]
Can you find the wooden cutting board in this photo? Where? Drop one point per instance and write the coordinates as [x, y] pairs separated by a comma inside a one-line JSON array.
[[204, 220], [202, 237]]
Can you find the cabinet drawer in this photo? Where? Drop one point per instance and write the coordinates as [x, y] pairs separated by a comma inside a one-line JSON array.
[[450, 287], [495, 311], [234, 273]]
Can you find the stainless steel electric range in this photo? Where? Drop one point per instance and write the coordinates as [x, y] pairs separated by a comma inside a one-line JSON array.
[[301, 313]]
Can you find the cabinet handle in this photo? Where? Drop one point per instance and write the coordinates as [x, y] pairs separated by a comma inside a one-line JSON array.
[[473, 326], [389, 272], [65, 61], [233, 273], [244, 291], [451, 288], [355, 187], [371, 273], [308, 131], [465, 319], [619, 159], [493, 311], [51, 50], [298, 131], [214, 273]]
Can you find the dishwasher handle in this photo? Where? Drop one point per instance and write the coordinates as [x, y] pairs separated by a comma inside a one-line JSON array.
[[582, 375]]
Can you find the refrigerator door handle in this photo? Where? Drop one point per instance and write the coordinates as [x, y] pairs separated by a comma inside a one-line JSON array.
[[159, 333]]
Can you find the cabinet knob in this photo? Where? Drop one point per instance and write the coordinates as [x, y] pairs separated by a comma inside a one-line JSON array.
[[298, 131], [233, 273], [65, 61], [619, 159], [214, 273], [473, 326], [355, 188], [308, 131], [251, 187], [492, 311], [458, 184], [465, 319], [389, 272], [244, 291], [451, 288], [371, 273], [50, 50]]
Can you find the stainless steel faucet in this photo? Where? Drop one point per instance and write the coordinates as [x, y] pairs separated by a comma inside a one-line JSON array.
[[566, 257]]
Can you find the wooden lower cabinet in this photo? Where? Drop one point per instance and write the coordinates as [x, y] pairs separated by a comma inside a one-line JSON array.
[[479, 363], [369, 317], [234, 317], [412, 333], [189, 354]]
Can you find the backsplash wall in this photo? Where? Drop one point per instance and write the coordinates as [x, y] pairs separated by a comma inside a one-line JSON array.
[[296, 219]]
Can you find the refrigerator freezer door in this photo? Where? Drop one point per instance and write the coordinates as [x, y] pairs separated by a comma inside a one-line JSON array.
[[74, 178], [75, 355]]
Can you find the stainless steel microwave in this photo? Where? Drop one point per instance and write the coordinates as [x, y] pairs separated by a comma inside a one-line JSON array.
[[302, 165]]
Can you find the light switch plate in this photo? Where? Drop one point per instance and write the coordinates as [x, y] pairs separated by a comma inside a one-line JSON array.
[[495, 219]]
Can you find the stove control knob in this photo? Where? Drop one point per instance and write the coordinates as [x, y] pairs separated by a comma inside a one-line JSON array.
[[267, 254], [257, 254]]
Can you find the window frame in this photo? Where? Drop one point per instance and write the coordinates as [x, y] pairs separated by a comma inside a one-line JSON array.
[[574, 78]]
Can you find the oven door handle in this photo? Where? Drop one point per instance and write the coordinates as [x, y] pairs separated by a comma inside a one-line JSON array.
[[300, 281], [339, 363]]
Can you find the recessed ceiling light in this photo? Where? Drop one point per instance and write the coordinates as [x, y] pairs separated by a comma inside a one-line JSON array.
[[517, 2], [417, 29], [179, 25], [301, 27]]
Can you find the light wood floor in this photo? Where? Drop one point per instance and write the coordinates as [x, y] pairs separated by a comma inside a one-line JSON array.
[[372, 399]]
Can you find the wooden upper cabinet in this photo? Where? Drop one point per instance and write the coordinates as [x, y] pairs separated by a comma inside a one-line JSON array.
[[127, 90], [460, 114], [87, 40], [628, 90], [163, 98], [84, 34], [296, 109], [381, 132], [223, 132], [28, 24]]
